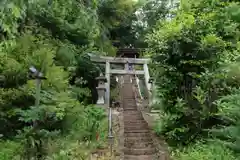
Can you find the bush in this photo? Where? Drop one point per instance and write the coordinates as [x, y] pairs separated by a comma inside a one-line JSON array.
[[201, 151], [10, 150], [36, 125], [82, 126], [194, 48], [229, 133]]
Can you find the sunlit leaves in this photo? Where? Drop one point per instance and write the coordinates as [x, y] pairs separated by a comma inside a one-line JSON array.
[[212, 40]]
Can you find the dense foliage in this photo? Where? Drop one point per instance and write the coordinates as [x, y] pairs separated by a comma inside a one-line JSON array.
[[55, 37], [194, 46], [196, 57]]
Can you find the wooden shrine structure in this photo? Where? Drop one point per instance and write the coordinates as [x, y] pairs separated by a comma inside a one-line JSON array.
[[129, 52]]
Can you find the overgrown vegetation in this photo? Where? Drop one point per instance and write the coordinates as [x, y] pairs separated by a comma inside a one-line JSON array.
[[55, 36], [196, 57], [195, 51]]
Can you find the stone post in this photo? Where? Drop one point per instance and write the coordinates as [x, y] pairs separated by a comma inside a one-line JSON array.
[[101, 89], [150, 81], [146, 76]]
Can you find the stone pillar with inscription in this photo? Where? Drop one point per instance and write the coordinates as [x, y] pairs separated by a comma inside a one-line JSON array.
[[101, 89]]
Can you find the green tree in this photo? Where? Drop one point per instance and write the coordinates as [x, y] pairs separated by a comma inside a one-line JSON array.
[[189, 51]]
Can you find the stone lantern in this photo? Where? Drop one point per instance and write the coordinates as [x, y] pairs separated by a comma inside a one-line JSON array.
[[101, 89]]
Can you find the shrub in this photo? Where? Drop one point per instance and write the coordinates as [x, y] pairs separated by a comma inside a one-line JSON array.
[[10, 150], [194, 47], [201, 151]]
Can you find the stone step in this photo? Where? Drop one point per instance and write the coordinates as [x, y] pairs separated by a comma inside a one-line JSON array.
[[135, 122], [139, 151], [126, 108], [134, 128], [137, 139], [132, 119], [132, 112], [139, 157], [129, 109], [130, 97], [132, 115], [130, 105], [137, 134], [136, 125], [139, 144], [129, 101], [137, 131], [139, 122]]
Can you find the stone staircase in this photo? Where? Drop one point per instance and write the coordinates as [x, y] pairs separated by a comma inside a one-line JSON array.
[[138, 144]]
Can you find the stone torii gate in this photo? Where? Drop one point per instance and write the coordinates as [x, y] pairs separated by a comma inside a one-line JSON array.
[[104, 82]]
